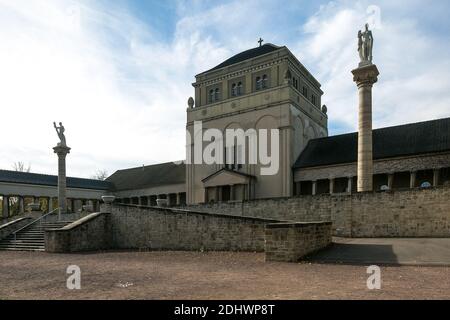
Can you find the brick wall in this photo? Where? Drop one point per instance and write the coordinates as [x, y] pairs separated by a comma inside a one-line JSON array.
[[402, 213], [289, 242], [169, 229]]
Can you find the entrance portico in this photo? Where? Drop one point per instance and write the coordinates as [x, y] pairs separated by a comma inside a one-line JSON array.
[[228, 185]]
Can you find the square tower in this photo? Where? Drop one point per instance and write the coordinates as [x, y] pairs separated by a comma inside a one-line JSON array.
[[261, 88]]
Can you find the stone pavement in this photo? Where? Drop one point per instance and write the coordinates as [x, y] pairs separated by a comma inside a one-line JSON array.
[[390, 251]]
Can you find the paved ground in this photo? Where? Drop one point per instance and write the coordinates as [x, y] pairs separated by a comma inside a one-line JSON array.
[[219, 275], [387, 251]]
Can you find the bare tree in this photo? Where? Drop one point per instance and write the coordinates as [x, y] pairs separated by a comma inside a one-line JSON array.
[[20, 167], [100, 175]]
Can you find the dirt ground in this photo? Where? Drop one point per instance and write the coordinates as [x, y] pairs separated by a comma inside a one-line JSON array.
[[215, 275]]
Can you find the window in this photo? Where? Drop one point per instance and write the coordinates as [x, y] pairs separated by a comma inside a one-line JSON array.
[[233, 90], [234, 157], [264, 81], [236, 89], [216, 94], [211, 96], [305, 92], [258, 83], [313, 99], [295, 83], [239, 89]]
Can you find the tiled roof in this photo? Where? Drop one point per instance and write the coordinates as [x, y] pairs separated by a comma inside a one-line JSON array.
[[149, 176], [49, 180], [405, 140], [248, 54]]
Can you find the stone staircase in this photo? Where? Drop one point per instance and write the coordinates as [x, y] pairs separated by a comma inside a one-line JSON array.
[[31, 238]]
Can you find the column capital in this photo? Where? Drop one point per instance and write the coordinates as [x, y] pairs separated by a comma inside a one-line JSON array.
[[365, 75], [61, 150]]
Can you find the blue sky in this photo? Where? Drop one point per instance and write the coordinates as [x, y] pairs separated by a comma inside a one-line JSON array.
[[119, 73]]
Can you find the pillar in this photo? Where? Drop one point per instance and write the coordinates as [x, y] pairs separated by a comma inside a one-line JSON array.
[[206, 195], [149, 201], [365, 76], [314, 188], [435, 177], [412, 179], [299, 188], [390, 181], [349, 184], [332, 186], [168, 200], [178, 199], [50, 204], [21, 205], [232, 192], [5, 212], [139, 201], [62, 151]]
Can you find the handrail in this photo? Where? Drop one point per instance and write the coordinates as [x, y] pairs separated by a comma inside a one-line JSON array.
[[33, 222]]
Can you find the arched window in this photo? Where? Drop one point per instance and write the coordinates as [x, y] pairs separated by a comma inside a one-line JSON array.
[[258, 83], [264, 81], [233, 90], [239, 89], [216, 94]]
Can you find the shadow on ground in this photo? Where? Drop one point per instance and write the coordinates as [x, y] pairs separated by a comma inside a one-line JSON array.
[[392, 251]]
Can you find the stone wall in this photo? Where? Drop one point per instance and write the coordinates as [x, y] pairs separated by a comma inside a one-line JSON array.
[[136, 227], [289, 242], [90, 233], [9, 227], [402, 213]]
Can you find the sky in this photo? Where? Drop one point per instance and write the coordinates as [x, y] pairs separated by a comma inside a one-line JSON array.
[[118, 73]]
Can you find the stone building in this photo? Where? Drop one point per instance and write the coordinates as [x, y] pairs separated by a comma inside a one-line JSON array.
[[261, 88], [268, 88]]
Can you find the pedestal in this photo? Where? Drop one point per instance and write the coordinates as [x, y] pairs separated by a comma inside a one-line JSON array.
[[62, 152], [365, 76]]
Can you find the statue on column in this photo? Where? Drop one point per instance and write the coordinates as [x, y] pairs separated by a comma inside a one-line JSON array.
[[365, 45], [60, 131]]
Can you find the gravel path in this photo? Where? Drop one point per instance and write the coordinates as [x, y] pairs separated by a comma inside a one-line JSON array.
[[215, 275]]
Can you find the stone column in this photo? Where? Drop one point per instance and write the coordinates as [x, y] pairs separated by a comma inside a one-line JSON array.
[[50, 204], [332, 186], [21, 205], [349, 184], [62, 152], [139, 201], [5, 212], [390, 181], [232, 192], [365, 76], [412, 179], [435, 177], [178, 199], [314, 188]]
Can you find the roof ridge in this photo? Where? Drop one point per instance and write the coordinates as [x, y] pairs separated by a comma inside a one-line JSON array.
[[44, 174]]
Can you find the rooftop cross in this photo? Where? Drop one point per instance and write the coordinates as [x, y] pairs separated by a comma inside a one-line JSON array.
[[260, 41]]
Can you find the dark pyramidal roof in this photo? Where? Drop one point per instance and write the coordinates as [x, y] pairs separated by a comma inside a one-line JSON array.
[[405, 140], [248, 54], [49, 180], [148, 176]]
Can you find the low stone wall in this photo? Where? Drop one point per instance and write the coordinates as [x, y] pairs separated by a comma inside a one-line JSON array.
[[402, 213], [136, 227], [90, 233], [8, 228], [289, 242]]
